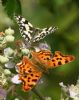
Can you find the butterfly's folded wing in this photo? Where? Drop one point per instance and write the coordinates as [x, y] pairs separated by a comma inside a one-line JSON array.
[[29, 74]]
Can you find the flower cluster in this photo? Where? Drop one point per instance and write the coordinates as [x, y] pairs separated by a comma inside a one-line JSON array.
[[70, 92]]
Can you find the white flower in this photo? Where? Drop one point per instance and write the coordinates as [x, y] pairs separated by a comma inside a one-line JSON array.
[[7, 72], [1, 38], [3, 59], [64, 87], [76, 98], [74, 91], [25, 51], [16, 99], [9, 31], [9, 38], [42, 46], [8, 51], [15, 79], [9, 64], [48, 98]]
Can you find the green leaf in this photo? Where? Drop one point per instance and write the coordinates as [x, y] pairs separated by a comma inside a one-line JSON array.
[[12, 7]]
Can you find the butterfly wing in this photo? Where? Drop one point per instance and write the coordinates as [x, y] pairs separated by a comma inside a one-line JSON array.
[[31, 34], [25, 28], [29, 74], [42, 33], [46, 59], [60, 59]]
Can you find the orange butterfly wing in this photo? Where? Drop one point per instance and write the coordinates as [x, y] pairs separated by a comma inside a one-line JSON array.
[[29, 74], [45, 58], [28, 69]]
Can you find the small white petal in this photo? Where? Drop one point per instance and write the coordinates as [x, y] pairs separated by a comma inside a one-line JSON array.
[[16, 80], [9, 38], [9, 31], [74, 91], [16, 99], [10, 64], [72, 94], [8, 51]]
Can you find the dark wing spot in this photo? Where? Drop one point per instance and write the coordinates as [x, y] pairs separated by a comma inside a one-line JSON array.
[[25, 76], [48, 58], [36, 76], [60, 58], [30, 85], [55, 55], [54, 64], [31, 74], [26, 22], [34, 80], [29, 71], [41, 56], [57, 58], [53, 60], [59, 63], [28, 77], [66, 61]]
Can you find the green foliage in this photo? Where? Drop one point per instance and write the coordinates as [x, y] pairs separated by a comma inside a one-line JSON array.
[[12, 7]]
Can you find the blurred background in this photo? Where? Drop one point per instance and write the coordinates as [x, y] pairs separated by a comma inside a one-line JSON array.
[[44, 13]]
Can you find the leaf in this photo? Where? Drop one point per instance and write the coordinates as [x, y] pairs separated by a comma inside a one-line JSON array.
[[12, 7]]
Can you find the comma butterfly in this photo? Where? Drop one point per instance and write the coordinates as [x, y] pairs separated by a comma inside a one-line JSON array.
[[29, 71]]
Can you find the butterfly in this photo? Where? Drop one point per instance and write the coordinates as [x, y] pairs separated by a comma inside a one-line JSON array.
[[30, 33], [29, 70]]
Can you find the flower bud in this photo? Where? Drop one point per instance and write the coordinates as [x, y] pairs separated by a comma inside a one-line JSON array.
[[3, 59], [9, 31], [7, 72], [8, 51], [9, 38], [25, 51], [16, 99]]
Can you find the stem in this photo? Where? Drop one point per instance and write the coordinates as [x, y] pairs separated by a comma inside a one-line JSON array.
[[38, 94], [12, 89], [20, 97], [30, 97]]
